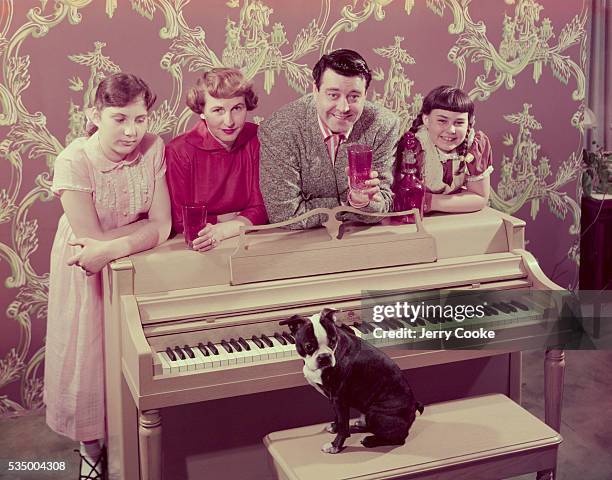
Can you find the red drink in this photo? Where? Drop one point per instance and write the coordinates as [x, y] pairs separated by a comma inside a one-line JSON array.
[[409, 191], [360, 165], [194, 220]]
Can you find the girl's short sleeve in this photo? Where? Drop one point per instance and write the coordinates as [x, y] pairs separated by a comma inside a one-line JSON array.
[[481, 163], [71, 172]]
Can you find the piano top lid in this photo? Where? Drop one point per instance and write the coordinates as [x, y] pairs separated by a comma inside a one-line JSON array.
[[172, 266]]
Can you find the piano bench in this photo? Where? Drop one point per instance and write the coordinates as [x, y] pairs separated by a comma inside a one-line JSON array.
[[485, 437]]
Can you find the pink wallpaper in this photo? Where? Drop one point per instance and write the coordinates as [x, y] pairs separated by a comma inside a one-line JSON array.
[[523, 61]]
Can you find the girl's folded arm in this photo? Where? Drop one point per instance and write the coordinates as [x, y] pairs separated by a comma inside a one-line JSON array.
[[473, 199], [134, 237]]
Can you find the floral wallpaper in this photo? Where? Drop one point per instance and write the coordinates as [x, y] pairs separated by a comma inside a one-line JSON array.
[[522, 61]]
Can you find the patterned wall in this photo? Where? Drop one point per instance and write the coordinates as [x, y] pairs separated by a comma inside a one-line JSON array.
[[522, 61]]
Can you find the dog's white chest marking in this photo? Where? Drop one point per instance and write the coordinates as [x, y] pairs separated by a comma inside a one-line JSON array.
[[313, 377]]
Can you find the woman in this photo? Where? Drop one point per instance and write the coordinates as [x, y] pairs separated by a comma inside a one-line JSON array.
[[115, 200], [454, 160], [217, 162]]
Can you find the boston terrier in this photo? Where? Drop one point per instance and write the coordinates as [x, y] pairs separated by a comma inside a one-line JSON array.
[[351, 373]]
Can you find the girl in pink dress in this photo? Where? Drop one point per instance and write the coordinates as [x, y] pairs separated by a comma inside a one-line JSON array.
[[113, 191], [453, 160]]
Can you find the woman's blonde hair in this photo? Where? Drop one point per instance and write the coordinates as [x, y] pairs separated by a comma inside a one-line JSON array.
[[221, 83]]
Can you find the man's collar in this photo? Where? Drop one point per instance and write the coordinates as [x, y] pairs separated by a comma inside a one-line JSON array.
[[326, 132]]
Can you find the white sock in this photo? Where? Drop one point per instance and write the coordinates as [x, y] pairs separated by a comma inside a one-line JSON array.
[[91, 451]]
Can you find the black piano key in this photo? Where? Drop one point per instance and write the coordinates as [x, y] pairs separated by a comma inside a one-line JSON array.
[[235, 344], [212, 348], [280, 338], [501, 307], [491, 309], [520, 305], [266, 340], [171, 354], [347, 329], [487, 311], [189, 351], [368, 327], [382, 324], [421, 322], [432, 320], [361, 327], [290, 338], [395, 323], [179, 352], [227, 347], [203, 349], [257, 341], [509, 306], [390, 323], [244, 344]]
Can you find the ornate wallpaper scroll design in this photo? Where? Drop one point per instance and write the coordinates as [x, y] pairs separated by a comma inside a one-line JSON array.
[[256, 41]]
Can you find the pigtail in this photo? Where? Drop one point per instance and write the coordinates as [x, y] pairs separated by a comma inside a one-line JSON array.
[[463, 149], [416, 123]]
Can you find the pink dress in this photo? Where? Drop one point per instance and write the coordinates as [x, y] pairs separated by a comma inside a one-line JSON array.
[[74, 363]]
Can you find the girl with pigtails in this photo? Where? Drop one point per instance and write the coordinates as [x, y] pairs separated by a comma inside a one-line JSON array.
[[453, 160]]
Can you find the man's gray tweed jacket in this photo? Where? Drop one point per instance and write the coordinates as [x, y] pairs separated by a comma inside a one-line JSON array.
[[296, 174]]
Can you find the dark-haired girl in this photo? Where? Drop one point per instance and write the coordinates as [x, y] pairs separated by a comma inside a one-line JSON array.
[[454, 160], [217, 162], [113, 191]]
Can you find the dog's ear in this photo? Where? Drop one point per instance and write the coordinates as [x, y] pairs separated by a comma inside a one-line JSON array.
[[329, 315], [295, 323]]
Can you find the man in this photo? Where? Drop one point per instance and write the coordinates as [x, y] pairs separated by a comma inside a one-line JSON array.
[[303, 157]]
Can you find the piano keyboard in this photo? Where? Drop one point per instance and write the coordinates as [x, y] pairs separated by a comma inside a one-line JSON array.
[[237, 352]]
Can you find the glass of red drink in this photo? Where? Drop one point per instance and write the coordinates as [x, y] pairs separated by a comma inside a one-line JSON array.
[[360, 165], [194, 220]]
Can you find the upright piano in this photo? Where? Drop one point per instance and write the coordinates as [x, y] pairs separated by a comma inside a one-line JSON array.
[[184, 327]]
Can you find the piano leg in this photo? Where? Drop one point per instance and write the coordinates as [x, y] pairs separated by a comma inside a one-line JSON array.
[[149, 439], [554, 370]]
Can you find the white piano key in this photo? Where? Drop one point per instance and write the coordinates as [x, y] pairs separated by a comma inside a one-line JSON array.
[[211, 361], [182, 364], [202, 361], [262, 353], [256, 352], [217, 359], [198, 360], [165, 362], [190, 362], [224, 356], [271, 350], [239, 355], [287, 349], [248, 354], [284, 350], [274, 351]]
